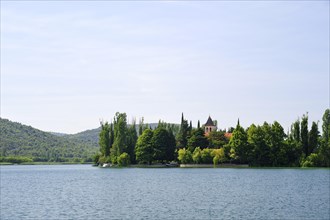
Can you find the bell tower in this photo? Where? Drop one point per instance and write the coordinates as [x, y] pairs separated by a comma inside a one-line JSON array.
[[209, 126]]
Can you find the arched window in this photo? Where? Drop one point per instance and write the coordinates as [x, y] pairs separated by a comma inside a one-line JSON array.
[[210, 129]]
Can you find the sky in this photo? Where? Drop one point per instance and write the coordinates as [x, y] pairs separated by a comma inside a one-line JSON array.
[[66, 65]]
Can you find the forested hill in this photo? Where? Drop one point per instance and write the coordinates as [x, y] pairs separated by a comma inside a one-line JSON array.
[[92, 136], [20, 140], [17, 139], [88, 136]]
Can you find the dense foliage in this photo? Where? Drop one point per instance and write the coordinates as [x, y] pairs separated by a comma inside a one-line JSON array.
[[21, 143], [258, 145], [265, 145], [123, 144], [89, 136], [151, 145]]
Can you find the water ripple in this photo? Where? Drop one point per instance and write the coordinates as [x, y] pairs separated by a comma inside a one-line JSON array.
[[84, 192]]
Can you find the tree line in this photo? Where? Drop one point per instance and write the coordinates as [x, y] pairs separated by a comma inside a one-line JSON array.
[[258, 145], [123, 144]]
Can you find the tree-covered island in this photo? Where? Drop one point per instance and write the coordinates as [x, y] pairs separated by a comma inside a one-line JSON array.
[[264, 145]]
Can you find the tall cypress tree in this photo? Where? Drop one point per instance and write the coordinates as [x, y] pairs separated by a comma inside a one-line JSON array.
[[326, 127], [313, 137], [104, 139], [324, 151], [304, 134], [141, 125], [131, 141], [296, 131], [111, 135], [170, 150], [183, 133], [120, 134]]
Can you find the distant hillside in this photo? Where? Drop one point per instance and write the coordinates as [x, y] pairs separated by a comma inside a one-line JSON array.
[[17, 139], [92, 136], [58, 134], [20, 140], [89, 136]]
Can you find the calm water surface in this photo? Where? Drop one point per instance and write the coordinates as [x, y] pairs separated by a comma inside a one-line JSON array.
[[85, 192]]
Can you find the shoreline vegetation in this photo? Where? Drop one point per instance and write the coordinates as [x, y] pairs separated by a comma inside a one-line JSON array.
[[264, 145], [141, 145], [162, 166], [43, 163]]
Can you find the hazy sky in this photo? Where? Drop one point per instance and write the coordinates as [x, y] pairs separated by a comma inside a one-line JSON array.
[[66, 65]]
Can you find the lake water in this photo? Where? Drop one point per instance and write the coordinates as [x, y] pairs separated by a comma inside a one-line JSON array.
[[86, 192]]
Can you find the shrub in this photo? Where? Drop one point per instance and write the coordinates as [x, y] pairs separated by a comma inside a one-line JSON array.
[[218, 156], [206, 156], [197, 155], [104, 159], [16, 159], [123, 159], [311, 161], [184, 156], [96, 158]]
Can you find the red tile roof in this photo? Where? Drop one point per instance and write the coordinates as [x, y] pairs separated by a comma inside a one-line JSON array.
[[228, 135]]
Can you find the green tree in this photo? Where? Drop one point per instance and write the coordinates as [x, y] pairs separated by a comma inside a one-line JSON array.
[[293, 152], [239, 145], [184, 156], [294, 144], [313, 138], [144, 147], [104, 139], [295, 130], [131, 141], [324, 151], [111, 136], [120, 134], [326, 126], [170, 150], [278, 145], [183, 133], [312, 160], [123, 159], [230, 130], [217, 139], [197, 139], [141, 126], [160, 143], [197, 155], [96, 158], [304, 134], [260, 149], [207, 156], [218, 156]]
